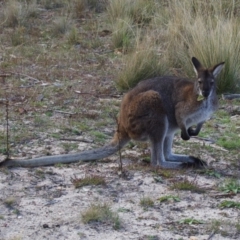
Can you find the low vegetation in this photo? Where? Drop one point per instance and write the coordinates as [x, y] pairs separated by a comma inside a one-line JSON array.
[[187, 185], [88, 180], [101, 213], [63, 67]]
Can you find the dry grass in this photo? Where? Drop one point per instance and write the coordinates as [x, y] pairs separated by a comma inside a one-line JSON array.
[[101, 213], [89, 180], [192, 32]]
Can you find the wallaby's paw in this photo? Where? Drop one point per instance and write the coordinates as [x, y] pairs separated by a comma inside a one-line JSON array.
[[185, 136], [192, 132], [196, 163]]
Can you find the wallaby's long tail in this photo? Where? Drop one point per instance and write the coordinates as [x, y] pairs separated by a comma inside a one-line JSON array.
[[90, 155]]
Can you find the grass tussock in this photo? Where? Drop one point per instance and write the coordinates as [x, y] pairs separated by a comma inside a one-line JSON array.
[[205, 29], [18, 12], [140, 11], [141, 64], [89, 180], [186, 185], [101, 213]]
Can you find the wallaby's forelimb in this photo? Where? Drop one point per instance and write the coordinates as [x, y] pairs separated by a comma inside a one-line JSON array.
[[90, 155]]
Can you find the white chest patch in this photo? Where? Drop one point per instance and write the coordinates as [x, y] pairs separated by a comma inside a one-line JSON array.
[[202, 114]]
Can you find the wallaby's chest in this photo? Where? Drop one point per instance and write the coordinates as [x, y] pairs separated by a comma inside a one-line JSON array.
[[200, 114]]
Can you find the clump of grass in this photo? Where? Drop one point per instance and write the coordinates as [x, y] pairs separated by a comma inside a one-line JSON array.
[[186, 185], [12, 13], [231, 186], [191, 221], [40, 174], [141, 64], [194, 32], [89, 180], [99, 136], [169, 198], [225, 228], [229, 204], [61, 26], [18, 36], [146, 202], [209, 172], [101, 213], [122, 34], [10, 201], [18, 13], [166, 173], [231, 141], [73, 36], [53, 4], [140, 11]]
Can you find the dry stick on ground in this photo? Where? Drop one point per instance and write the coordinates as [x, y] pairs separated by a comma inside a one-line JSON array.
[[7, 122], [119, 150], [230, 96]]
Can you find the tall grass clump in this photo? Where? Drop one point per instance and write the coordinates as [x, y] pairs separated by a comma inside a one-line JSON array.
[[61, 26], [141, 11], [209, 31], [143, 63], [17, 13], [123, 34]]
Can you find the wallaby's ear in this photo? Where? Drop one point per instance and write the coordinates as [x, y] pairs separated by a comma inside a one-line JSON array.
[[217, 69], [196, 65]]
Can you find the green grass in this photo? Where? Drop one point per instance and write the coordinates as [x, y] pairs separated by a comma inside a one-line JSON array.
[[230, 186], [146, 202], [186, 185], [88, 180], [169, 198], [101, 213], [191, 221], [192, 32], [229, 204]]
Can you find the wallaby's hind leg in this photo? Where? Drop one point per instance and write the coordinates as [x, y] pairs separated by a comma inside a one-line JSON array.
[[144, 117], [178, 158]]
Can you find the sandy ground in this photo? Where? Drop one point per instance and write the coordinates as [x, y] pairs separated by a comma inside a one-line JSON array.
[[44, 204]]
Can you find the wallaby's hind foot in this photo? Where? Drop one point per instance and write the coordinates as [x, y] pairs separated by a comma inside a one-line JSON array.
[[197, 163]]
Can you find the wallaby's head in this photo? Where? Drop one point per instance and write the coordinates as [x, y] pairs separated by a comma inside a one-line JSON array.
[[206, 77]]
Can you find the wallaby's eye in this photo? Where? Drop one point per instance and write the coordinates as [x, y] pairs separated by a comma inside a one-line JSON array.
[[199, 81], [212, 82]]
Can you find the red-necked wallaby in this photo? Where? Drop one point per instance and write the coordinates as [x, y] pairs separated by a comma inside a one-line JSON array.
[[154, 110]]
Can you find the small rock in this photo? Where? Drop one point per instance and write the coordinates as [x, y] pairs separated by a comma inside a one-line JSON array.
[[45, 225]]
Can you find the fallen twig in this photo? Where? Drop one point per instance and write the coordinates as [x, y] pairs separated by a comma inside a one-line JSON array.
[[223, 195], [77, 140], [230, 96], [70, 113]]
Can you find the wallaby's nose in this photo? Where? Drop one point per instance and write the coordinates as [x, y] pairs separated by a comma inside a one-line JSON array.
[[205, 93]]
